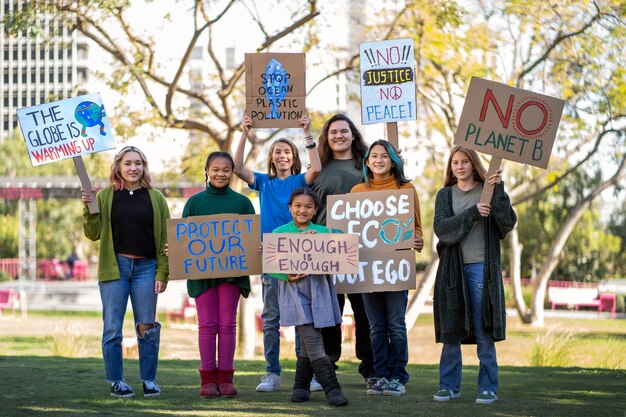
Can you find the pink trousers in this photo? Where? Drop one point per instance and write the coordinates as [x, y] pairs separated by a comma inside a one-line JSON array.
[[217, 321]]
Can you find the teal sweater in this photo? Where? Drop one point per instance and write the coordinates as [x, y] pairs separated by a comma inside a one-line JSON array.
[[98, 227], [217, 201]]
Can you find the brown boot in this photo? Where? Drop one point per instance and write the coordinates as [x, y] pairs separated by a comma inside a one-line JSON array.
[[225, 383], [208, 387]]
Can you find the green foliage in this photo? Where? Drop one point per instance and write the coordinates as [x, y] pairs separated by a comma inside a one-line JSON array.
[[620, 303], [8, 236], [4, 277], [509, 295]]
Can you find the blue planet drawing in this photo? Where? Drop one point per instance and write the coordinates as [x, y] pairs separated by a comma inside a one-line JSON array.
[[277, 86], [89, 114]]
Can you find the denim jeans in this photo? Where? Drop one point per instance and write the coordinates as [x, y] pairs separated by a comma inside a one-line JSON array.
[[271, 325], [137, 281], [386, 312], [451, 359]]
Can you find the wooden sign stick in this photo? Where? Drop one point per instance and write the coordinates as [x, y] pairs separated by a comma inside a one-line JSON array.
[[392, 134], [494, 165], [85, 182]]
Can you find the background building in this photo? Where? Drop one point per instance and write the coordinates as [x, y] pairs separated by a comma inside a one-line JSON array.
[[36, 68]]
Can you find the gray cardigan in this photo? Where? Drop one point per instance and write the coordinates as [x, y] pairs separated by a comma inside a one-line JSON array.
[[451, 302]]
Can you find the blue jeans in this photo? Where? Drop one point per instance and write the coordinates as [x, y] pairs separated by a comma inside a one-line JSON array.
[[451, 360], [271, 325], [385, 312], [137, 281]]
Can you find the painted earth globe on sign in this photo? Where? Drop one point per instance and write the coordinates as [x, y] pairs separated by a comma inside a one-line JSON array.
[[89, 114]]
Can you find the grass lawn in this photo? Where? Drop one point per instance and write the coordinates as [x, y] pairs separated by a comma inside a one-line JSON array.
[[35, 382], [54, 386]]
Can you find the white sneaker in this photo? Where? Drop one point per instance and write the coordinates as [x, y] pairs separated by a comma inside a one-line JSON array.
[[269, 382], [315, 386]]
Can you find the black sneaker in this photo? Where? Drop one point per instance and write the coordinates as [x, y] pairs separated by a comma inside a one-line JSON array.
[[121, 389], [151, 389]]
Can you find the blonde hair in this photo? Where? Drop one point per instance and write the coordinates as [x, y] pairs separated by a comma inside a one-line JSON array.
[[115, 176], [478, 170]]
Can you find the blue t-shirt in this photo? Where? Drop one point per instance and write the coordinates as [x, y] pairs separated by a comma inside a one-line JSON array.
[[273, 195]]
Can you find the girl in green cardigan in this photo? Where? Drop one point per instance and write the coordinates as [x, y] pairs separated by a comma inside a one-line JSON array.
[[131, 227]]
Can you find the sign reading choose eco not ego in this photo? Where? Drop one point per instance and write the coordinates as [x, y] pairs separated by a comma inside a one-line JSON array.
[[384, 221], [509, 123]]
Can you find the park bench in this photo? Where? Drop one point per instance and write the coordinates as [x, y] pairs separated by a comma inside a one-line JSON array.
[[581, 297], [188, 313], [7, 300]]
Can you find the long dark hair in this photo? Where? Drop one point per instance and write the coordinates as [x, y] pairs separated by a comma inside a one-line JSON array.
[[358, 144], [397, 165], [478, 170]]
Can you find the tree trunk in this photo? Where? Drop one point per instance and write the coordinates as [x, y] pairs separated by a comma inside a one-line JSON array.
[[515, 274], [552, 260]]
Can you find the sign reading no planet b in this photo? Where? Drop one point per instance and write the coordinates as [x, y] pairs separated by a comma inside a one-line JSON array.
[[310, 253], [509, 123], [65, 129], [387, 81], [385, 224], [218, 246], [275, 89]]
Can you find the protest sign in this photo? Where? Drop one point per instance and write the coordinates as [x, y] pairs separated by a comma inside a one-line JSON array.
[[217, 246], [387, 81], [275, 89], [380, 271], [382, 219], [385, 224], [310, 253], [509, 123], [65, 129]]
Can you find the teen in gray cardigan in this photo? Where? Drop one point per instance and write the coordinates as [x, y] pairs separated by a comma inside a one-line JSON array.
[[469, 296]]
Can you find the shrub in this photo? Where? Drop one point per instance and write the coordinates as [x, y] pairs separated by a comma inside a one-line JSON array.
[[4, 277], [68, 341], [620, 303], [551, 349]]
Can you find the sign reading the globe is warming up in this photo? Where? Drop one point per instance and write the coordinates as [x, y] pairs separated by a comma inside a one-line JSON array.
[[387, 81], [65, 129], [509, 123]]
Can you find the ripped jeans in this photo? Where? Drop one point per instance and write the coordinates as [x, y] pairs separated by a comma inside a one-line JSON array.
[[137, 281]]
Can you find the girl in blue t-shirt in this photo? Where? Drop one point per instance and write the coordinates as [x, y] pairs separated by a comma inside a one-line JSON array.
[[274, 188]]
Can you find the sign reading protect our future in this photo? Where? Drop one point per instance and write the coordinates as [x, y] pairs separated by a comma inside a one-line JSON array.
[[217, 246], [65, 129], [385, 224], [387, 81], [509, 123], [275, 89]]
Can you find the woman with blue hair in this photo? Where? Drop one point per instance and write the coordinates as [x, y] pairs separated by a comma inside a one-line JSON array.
[[383, 169]]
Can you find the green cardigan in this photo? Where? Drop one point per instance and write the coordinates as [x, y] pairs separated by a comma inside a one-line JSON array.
[[217, 201], [98, 227], [451, 301]]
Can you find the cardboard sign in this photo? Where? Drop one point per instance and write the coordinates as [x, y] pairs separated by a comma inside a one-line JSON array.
[[380, 271], [218, 246], [384, 220], [65, 129], [387, 81], [509, 123], [275, 89], [310, 253]]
